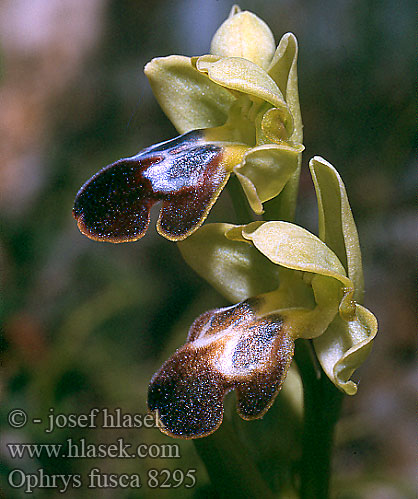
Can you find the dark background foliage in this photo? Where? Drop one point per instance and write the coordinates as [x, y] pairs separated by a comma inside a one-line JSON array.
[[86, 324]]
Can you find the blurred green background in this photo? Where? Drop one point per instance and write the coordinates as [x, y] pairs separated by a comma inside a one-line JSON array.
[[86, 324]]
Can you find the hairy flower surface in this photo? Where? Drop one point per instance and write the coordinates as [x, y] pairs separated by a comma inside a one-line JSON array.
[[238, 111], [186, 174], [228, 348]]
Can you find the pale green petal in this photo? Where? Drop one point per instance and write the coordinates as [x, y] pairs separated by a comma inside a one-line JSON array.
[[188, 98], [295, 248], [235, 269], [345, 346], [244, 35], [283, 70], [265, 170], [336, 223], [243, 76]]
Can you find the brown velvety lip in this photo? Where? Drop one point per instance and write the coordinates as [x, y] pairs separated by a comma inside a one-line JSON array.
[[185, 174]]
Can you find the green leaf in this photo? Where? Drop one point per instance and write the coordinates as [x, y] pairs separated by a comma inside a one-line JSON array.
[[265, 170], [336, 223], [344, 347], [235, 269], [188, 98], [244, 35]]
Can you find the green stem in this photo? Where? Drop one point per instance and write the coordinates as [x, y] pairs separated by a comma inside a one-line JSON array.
[[229, 465], [322, 404]]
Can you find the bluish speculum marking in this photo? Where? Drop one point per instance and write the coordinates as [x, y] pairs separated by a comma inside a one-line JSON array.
[[180, 170]]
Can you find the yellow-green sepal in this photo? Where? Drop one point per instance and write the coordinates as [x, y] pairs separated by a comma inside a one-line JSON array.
[[336, 223], [344, 346], [233, 267], [244, 35], [188, 97]]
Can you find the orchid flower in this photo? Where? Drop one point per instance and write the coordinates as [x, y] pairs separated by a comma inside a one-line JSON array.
[[238, 112], [289, 284]]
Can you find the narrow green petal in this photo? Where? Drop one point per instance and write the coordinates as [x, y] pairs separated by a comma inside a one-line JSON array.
[[336, 223], [295, 248], [243, 76], [235, 269], [265, 170], [188, 98], [283, 70], [345, 346], [244, 35]]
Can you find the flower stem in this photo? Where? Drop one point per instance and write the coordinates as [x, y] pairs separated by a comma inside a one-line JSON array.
[[322, 404], [229, 465]]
